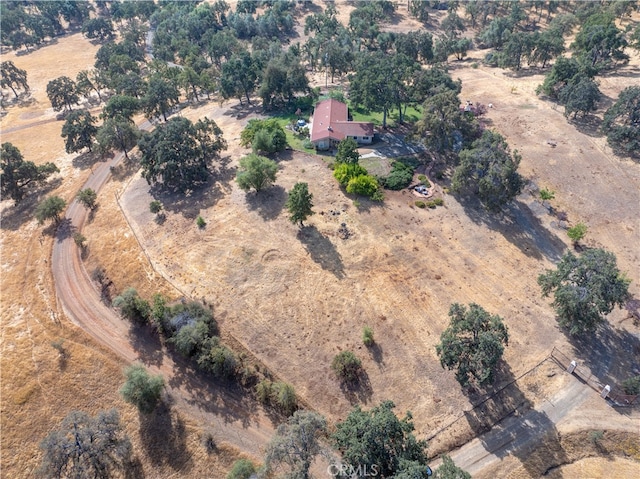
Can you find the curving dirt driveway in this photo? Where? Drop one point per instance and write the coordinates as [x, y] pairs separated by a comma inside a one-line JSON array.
[[236, 419]]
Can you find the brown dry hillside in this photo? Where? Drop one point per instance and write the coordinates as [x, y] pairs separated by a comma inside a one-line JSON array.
[[294, 297], [38, 386]]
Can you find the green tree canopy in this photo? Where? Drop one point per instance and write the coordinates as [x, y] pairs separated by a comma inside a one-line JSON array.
[[162, 95], [88, 80], [489, 170], [121, 107], [585, 288], [179, 155], [264, 135], [282, 78], [296, 443], [600, 42], [472, 344], [18, 176], [622, 122], [347, 366], [98, 28], [50, 209], [78, 131], [13, 77], [345, 172], [580, 95], [562, 71], [239, 77], [117, 133], [87, 197], [299, 203], [382, 81], [242, 469], [256, 172], [141, 389], [348, 151], [448, 470], [86, 446], [62, 93], [132, 306], [444, 126], [378, 440]]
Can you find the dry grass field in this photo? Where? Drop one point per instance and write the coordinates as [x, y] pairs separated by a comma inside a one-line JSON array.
[[296, 297]]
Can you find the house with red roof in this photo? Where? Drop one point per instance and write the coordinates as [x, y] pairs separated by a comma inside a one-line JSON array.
[[330, 125]]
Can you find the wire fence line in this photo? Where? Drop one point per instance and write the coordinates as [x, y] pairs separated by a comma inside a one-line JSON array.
[[488, 397]]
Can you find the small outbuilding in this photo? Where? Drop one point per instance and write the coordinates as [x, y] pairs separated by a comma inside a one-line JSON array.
[[331, 125]]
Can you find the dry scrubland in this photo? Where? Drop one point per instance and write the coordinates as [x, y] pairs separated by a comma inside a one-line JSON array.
[[295, 298]]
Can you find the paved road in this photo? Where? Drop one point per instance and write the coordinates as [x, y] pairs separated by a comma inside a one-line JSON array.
[[518, 434]]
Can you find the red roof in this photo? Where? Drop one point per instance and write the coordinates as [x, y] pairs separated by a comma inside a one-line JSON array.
[[330, 120]]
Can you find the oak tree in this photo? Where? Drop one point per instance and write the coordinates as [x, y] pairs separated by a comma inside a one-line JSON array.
[[79, 130], [379, 442], [256, 172], [489, 170], [50, 209], [585, 289], [296, 443], [622, 122], [472, 344], [62, 93], [18, 175], [86, 446], [142, 389], [299, 203], [13, 77]]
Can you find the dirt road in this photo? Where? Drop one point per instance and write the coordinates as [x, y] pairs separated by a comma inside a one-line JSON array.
[[235, 418]]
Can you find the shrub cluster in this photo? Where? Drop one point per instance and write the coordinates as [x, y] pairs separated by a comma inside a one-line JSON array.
[[278, 394], [347, 366], [400, 176]]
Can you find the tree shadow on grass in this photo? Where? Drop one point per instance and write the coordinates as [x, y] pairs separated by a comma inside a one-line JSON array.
[[62, 230], [375, 350], [146, 344], [205, 196], [134, 469], [321, 250], [268, 203], [164, 438], [610, 354], [125, 169], [506, 423], [203, 392], [86, 160], [518, 225], [358, 391], [240, 112], [15, 215], [589, 125]]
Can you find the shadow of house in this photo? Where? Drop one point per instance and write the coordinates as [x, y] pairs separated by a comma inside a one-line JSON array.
[[268, 203], [321, 250], [518, 225]]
